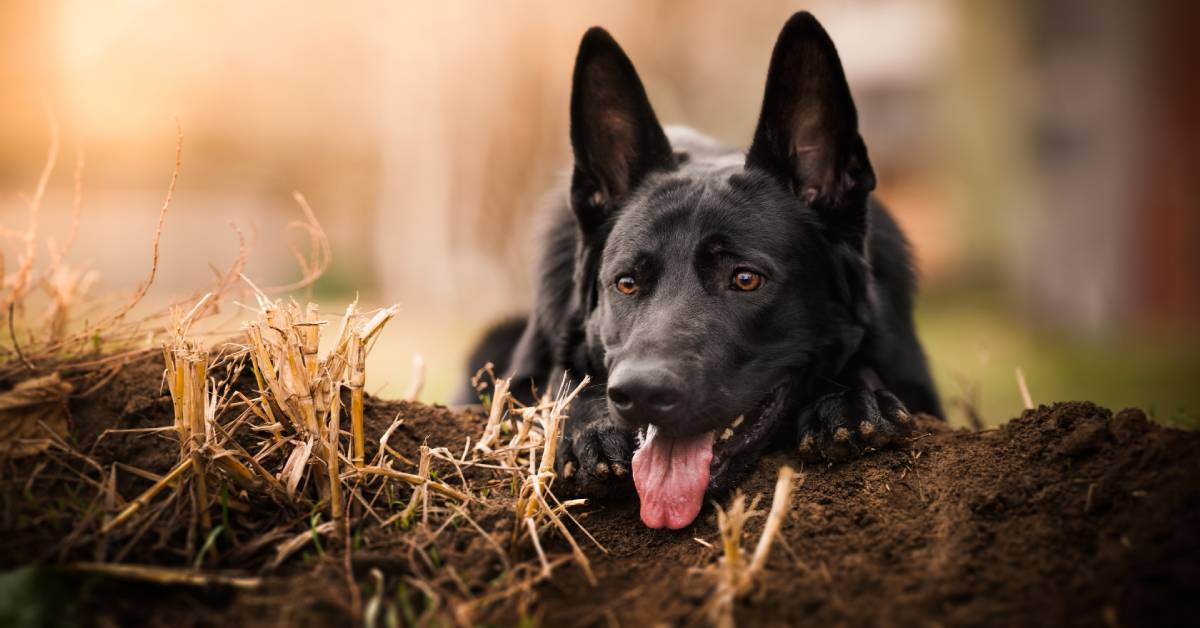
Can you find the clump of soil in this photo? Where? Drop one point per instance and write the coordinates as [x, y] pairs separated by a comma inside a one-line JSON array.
[[1068, 514]]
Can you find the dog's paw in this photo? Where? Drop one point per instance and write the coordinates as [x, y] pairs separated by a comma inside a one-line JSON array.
[[595, 457], [847, 424]]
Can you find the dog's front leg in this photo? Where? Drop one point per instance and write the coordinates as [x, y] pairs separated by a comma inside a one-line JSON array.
[[852, 417], [595, 450]]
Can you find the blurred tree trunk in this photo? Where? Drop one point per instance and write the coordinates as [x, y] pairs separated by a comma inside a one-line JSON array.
[[1117, 235], [1168, 234], [1089, 154]]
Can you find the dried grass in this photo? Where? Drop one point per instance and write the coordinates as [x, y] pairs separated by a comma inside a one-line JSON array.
[[84, 355], [295, 416], [1024, 388], [735, 573], [27, 409], [269, 428]]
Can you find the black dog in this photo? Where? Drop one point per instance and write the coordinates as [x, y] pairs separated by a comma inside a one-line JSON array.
[[721, 301]]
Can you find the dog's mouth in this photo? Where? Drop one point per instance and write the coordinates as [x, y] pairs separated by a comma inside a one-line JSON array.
[[672, 473]]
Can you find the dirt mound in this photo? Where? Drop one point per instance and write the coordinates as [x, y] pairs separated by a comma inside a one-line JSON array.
[[1066, 515]]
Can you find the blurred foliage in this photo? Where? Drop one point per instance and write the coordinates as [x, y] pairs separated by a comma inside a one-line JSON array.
[[975, 342], [32, 596]]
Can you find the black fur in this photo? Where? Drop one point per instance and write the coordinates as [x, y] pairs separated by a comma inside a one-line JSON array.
[[830, 329]]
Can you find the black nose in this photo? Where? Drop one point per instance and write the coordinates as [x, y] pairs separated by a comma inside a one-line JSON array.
[[645, 392]]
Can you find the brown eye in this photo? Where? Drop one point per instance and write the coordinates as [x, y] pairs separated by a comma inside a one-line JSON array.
[[747, 281], [627, 285]]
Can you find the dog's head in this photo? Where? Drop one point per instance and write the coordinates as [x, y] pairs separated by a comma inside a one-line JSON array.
[[712, 290]]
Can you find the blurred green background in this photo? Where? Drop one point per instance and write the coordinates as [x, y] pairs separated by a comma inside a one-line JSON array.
[[1041, 155]]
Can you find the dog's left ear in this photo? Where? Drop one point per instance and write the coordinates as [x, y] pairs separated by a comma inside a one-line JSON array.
[[807, 132], [616, 138]]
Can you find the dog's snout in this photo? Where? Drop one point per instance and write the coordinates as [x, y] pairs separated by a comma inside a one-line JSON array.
[[645, 392]]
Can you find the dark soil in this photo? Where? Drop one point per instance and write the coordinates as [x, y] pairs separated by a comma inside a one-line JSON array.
[[1067, 515]]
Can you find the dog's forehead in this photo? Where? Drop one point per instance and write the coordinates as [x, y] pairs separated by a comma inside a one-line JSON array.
[[685, 209]]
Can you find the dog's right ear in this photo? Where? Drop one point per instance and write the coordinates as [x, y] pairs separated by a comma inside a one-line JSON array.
[[614, 134]]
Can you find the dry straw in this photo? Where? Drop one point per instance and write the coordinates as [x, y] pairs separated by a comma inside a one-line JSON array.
[[736, 573], [88, 354], [300, 401]]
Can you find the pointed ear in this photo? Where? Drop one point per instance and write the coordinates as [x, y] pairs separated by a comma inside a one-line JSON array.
[[614, 134], [807, 132]]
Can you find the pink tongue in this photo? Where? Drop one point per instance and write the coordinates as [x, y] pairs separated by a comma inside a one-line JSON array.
[[671, 475]]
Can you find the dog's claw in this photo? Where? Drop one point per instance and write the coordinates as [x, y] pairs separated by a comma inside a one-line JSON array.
[[873, 437], [568, 470], [806, 444], [843, 446], [878, 419]]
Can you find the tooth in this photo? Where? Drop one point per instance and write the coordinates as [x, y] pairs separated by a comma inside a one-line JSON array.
[[726, 435], [738, 421]]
